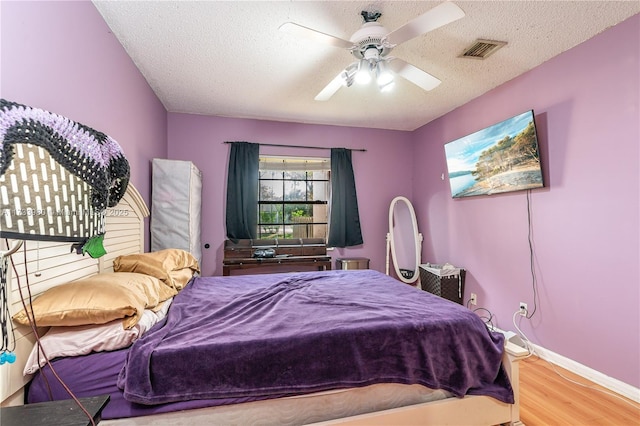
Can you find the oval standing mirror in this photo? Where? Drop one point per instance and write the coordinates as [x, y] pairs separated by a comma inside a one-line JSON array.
[[404, 240]]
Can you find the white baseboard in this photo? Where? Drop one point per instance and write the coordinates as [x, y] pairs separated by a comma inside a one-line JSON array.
[[614, 385]]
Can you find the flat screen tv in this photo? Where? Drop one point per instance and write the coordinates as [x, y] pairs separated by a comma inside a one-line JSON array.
[[501, 158]]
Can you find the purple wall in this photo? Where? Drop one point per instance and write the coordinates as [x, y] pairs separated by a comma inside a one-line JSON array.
[[382, 173], [62, 57], [585, 222]]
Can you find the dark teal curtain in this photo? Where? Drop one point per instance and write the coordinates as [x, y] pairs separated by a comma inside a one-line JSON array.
[[344, 228], [242, 191]]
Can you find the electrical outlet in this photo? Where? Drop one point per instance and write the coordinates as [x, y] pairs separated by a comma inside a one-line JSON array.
[[523, 309], [474, 299]]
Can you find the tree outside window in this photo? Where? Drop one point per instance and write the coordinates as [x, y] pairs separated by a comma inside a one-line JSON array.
[[293, 197]]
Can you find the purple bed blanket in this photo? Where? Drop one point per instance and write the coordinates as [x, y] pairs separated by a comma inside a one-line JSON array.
[[265, 336]]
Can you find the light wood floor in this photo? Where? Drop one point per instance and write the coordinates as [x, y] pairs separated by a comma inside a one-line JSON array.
[[548, 399]]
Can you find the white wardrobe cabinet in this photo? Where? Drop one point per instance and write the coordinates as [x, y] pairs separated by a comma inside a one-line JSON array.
[[176, 201]]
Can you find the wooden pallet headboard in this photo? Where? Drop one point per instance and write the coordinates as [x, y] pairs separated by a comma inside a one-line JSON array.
[[52, 264]]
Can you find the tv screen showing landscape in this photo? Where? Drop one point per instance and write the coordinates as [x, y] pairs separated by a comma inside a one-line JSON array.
[[500, 158]]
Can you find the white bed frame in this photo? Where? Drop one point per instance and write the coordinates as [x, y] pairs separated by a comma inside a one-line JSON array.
[[51, 264]]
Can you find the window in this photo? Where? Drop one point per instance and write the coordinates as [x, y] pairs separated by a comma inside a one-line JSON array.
[[293, 197]]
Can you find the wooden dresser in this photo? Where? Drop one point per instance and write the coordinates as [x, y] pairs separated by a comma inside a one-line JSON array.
[[244, 254]]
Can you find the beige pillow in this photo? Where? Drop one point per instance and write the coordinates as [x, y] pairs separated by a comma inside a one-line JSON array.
[[97, 300], [174, 267], [181, 277]]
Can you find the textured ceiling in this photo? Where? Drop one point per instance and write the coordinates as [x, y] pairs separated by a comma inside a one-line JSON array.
[[228, 58]]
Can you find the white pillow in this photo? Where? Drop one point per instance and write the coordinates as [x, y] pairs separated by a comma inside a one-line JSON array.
[[83, 339]]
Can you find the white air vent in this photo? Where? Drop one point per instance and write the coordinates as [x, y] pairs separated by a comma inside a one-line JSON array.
[[481, 49]]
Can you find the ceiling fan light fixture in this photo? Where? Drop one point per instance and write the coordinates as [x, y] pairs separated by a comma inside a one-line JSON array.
[[371, 45], [363, 76], [383, 75]]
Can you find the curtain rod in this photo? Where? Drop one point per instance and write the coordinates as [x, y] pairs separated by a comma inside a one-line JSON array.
[[298, 146]]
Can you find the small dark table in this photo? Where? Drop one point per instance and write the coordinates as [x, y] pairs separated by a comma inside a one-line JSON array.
[[55, 413]]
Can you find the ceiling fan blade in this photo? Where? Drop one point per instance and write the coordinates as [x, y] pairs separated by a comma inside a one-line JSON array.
[[420, 78], [331, 88], [301, 31], [440, 15]]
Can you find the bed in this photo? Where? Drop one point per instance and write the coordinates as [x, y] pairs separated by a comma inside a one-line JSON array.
[[377, 349]]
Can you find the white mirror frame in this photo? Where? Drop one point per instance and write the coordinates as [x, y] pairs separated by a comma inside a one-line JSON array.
[[391, 241]]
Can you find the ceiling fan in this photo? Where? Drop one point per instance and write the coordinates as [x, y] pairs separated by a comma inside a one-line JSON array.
[[371, 45]]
